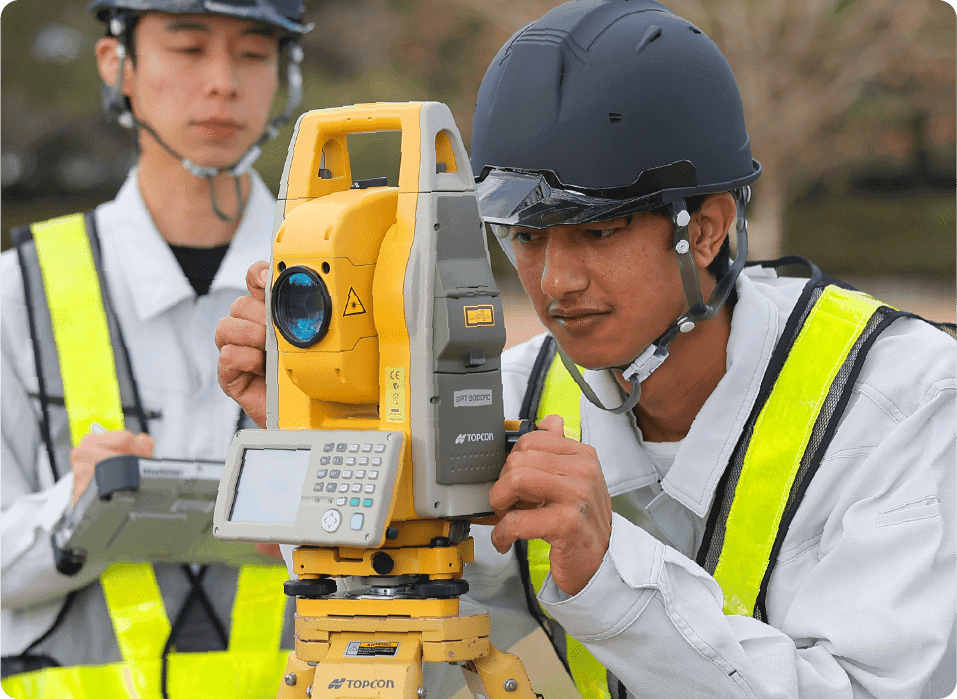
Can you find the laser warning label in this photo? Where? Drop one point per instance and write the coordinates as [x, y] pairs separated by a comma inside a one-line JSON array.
[[354, 306], [367, 649]]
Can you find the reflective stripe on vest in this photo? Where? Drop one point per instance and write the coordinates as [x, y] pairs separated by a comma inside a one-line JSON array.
[[90, 388], [780, 439], [831, 336], [252, 667]]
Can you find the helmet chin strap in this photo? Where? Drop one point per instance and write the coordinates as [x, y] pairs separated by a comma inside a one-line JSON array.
[[654, 355], [115, 106]]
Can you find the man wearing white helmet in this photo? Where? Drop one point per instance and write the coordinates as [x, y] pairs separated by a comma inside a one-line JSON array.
[[743, 483], [125, 299]]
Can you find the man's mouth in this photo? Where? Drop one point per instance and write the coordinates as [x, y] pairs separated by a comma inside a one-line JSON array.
[[577, 321], [218, 128]]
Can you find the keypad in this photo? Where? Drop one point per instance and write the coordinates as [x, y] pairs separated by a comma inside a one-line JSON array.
[[350, 480]]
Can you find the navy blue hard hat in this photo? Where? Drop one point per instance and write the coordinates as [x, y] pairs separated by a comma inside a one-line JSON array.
[[285, 15], [603, 108]]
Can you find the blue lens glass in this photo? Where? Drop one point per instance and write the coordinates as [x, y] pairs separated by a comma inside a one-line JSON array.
[[301, 306], [304, 310]]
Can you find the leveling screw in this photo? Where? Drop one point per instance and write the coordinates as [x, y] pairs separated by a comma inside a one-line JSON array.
[[510, 685]]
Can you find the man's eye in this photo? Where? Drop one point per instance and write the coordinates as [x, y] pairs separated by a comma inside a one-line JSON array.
[[521, 237], [601, 233]]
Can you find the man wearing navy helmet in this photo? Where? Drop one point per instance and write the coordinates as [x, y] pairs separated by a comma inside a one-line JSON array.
[[749, 490], [742, 484], [107, 349]]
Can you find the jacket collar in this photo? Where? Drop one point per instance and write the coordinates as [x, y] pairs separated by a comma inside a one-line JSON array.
[[143, 260]]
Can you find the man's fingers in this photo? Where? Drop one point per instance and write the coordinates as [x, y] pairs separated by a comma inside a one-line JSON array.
[[269, 550], [113, 440], [240, 332], [143, 445], [256, 278], [525, 524], [535, 486], [552, 423], [235, 360], [549, 436]]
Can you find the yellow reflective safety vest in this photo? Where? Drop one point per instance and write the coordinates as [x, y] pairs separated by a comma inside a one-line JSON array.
[[252, 666], [802, 397], [85, 376]]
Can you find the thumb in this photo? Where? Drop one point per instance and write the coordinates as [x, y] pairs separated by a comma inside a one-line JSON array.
[[143, 445], [552, 423]]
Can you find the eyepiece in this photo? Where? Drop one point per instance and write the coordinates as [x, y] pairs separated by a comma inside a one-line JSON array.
[[301, 306]]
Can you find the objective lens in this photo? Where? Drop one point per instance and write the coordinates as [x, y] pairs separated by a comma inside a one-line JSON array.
[[301, 306]]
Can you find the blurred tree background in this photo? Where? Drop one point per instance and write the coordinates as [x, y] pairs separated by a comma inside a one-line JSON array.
[[850, 107]]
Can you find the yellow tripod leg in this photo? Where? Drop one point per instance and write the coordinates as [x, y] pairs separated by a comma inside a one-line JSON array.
[[498, 675]]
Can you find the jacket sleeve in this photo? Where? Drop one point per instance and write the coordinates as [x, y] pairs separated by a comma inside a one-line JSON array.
[[870, 617], [32, 504]]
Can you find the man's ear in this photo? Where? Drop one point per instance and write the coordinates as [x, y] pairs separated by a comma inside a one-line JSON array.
[[108, 61], [713, 219]]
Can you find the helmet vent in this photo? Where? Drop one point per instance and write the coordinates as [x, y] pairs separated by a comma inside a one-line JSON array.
[[614, 117], [650, 35], [694, 29]]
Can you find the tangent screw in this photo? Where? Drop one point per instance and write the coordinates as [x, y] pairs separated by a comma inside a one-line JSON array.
[[290, 679], [510, 685]]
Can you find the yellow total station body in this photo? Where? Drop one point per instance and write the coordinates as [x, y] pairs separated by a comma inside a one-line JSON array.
[[384, 409]]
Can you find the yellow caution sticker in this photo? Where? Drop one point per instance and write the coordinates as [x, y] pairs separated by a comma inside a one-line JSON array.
[[354, 306], [368, 649], [479, 316], [395, 394]]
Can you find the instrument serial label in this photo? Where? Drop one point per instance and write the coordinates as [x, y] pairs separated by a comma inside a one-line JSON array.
[[479, 316], [364, 649], [464, 399]]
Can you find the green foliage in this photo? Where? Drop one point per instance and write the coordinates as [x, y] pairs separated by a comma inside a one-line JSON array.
[[859, 235]]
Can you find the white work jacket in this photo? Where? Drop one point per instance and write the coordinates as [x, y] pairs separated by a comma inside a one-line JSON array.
[[169, 333], [861, 602]]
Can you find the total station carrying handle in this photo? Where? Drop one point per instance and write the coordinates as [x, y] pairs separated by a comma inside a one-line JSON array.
[[439, 161]]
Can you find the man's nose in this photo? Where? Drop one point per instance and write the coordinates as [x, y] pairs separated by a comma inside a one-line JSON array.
[[221, 75], [564, 271]]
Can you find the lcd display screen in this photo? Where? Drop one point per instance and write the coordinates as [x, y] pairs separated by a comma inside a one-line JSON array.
[[270, 485]]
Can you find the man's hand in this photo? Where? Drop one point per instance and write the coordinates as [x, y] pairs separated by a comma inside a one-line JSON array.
[[93, 448], [552, 488], [241, 339]]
